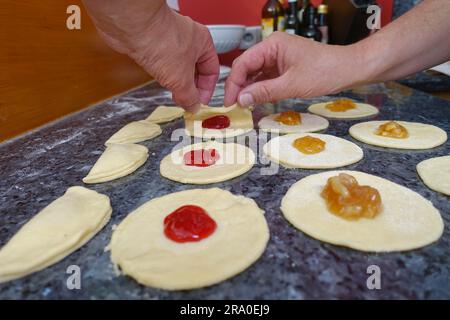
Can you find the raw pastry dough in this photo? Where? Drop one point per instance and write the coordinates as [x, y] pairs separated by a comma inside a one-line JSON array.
[[165, 114], [117, 161], [59, 229], [234, 160], [421, 136], [310, 123], [338, 152], [435, 173], [241, 122], [407, 221], [141, 249], [362, 110], [135, 131]]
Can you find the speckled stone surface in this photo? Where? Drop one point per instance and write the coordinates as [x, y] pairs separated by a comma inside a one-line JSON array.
[[39, 167]]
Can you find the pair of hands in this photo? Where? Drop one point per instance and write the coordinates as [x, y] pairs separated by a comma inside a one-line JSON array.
[[180, 55]]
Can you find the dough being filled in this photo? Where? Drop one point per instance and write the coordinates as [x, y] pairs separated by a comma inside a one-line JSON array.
[[407, 220], [338, 152], [420, 136], [117, 161], [234, 160], [362, 110], [141, 249], [309, 123], [241, 122], [135, 131], [435, 173], [59, 229], [164, 114]]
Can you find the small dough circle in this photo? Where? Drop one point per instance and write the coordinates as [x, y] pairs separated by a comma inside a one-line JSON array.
[[408, 221], [421, 136], [142, 251], [234, 160], [362, 110], [309, 123], [435, 173], [241, 122], [338, 152]]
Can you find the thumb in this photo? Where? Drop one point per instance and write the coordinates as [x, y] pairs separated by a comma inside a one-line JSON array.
[[264, 91]]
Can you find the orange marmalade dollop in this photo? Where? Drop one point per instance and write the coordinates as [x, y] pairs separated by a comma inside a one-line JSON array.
[[392, 129], [309, 145], [341, 105], [347, 199], [289, 118]]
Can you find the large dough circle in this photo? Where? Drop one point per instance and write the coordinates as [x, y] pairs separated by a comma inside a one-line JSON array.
[[435, 173], [408, 221], [338, 152], [234, 160], [241, 122], [142, 251], [362, 110], [421, 136], [309, 123]]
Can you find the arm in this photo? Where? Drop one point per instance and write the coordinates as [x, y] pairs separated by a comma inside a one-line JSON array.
[[175, 50], [286, 66]]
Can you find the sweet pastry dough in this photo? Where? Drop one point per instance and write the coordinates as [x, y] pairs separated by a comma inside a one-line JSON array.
[[117, 161], [135, 131], [362, 110], [241, 122], [164, 114], [141, 249], [59, 229], [234, 160], [435, 173], [420, 136], [309, 123], [407, 220], [338, 152]]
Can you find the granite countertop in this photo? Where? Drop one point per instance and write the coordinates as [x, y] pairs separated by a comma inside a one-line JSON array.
[[428, 81], [38, 167]]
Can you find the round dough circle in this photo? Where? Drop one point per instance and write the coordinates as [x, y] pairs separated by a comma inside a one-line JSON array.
[[142, 251], [435, 173], [235, 160], [362, 110], [310, 123], [421, 136], [241, 122], [338, 152], [408, 221]]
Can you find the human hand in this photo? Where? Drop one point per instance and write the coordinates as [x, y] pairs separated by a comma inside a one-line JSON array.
[[286, 66], [176, 51]]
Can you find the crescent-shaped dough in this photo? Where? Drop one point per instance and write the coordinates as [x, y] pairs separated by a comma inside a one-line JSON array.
[[338, 152], [59, 229], [141, 249], [234, 160], [435, 173], [117, 161], [421, 136], [310, 123], [135, 131], [362, 110], [408, 221], [164, 114], [241, 122]]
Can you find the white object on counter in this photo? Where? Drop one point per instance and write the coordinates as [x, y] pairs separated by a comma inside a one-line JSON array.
[[226, 37]]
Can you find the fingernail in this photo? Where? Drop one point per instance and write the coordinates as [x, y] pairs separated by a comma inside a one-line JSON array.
[[246, 99]]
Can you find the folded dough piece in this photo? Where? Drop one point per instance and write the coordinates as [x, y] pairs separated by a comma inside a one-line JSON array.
[[135, 131], [117, 161], [165, 114], [59, 229]]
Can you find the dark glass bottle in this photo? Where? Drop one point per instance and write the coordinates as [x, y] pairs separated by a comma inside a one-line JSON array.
[[292, 23], [322, 22], [309, 29], [270, 22]]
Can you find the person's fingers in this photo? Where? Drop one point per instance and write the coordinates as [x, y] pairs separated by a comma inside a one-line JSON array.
[[263, 55], [264, 91], [207, 75], [186, 95]]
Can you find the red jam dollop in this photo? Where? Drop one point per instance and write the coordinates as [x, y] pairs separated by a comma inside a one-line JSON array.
[[201, 157], [216, 122], [189, 224]]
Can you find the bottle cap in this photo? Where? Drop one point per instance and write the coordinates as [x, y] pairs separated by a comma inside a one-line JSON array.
[[323, 8]]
